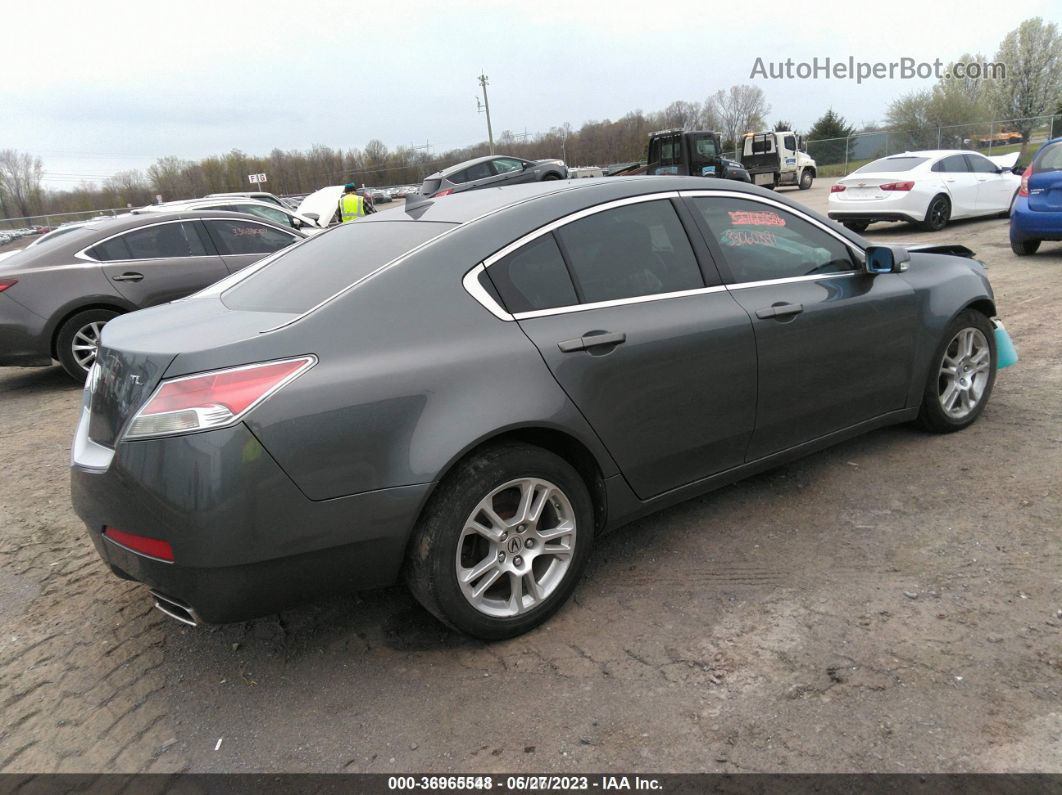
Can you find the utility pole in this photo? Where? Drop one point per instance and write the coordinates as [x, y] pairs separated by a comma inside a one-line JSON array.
[[485, 108]]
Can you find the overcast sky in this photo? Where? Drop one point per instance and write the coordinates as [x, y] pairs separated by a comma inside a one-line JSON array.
[[102, 86]]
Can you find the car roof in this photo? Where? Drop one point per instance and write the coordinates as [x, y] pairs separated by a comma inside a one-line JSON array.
[[468, 205]]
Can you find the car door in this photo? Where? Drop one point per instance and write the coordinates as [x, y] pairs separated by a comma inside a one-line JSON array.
[[243, 242], [478, 175], [159, 262], [834, 345], [995, 189], [511, 170], [662, 367], [961, 184]]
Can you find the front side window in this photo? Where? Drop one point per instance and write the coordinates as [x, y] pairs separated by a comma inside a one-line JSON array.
[[161, 241], [504, 165], [790, 143], [637, 249], [235, 237], [533, 277], [763, 242], [981, 165]]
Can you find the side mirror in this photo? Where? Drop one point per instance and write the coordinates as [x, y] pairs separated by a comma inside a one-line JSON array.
[[886, 259], [313, 216]]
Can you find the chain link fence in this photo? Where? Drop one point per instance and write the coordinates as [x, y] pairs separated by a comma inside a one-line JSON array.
[[838, 157], [43, 223]]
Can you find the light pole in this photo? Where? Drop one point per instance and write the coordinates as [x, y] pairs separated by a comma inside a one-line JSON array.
[[485, 108]]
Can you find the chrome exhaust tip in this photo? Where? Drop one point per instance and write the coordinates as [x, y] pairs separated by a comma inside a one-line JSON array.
[[176, 609]]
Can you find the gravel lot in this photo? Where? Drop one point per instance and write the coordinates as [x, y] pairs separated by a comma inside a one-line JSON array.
[[891, 604]]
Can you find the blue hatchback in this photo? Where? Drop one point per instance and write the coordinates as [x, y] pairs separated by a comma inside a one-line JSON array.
[[1037, 212]]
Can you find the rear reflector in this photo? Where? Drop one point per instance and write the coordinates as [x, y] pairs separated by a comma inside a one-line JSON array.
[[838, 188], [896, 186], [4, 284], [212, 400], [152, 547]]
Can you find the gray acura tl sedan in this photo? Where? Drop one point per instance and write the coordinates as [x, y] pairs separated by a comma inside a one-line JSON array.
[[56, 296], [468, 392]]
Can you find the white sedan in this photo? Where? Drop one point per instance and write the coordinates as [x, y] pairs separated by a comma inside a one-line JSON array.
[[927, 188]]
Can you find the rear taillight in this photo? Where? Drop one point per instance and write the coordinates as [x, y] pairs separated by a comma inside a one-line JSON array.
[[1022, 191], [7, 283], [152, 547], [838, 188], [212, 400], [896, 186], [446, 192]]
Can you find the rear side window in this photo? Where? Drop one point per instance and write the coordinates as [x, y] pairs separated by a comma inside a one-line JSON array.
[[533, 277], [956, 164], [162, 241], [246, 237], [638, 249], [276, 215], [478, 171], [981, 165], [300, 279], [1048, 159], [761, 242]]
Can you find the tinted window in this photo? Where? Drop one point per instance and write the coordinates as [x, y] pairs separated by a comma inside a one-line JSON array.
[[246, 237], [704, 147], [956, 164], [890, 164], [152, 242], [980, 165], [1048, 159], [790, 142], [503, 165], [763, 242], [533, 277], [639, 249], [300, 279]]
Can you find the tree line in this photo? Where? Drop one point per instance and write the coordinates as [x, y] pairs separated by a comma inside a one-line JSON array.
[[1032, 87]]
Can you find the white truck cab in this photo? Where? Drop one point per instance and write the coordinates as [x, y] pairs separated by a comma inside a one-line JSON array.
[[776, 158]]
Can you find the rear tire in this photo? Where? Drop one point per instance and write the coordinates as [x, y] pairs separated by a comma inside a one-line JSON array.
[[524, 577], [1023, 248], [77, 338], [960, 378], [859, 227], [937, 214]]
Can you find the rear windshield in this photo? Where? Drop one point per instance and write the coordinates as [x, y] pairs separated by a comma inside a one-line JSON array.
[[326, 264], [1049, 158], [890, 164]]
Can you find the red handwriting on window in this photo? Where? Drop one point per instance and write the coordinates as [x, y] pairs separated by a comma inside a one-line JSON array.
[[746, 218]]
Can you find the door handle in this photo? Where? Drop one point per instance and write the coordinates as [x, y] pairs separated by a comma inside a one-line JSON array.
[[128, 276], [781, 310], [588, 341]]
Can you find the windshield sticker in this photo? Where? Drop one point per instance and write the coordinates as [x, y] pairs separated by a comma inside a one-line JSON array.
[[746, 218], [748, 237]]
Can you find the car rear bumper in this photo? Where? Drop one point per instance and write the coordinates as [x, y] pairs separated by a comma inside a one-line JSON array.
[[246, 542], [871, 217], [22, 339], [1026, 224]]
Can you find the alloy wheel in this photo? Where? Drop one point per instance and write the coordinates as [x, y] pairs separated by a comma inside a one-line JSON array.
[[516, 547], [964, 373], [85, 344]]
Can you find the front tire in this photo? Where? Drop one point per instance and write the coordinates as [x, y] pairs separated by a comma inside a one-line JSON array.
[[503, 541], [806, 179], [937, 214], [1024, 248], [859, 227], [961, 375], [550, 176], [78, 339]]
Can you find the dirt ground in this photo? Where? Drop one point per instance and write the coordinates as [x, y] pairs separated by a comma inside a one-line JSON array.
[[891, 604]]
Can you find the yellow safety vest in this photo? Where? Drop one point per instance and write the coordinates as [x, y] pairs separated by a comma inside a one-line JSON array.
[[351, 206]]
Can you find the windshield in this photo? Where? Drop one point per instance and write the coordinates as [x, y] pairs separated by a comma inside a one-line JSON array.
[[303, 277], [890, 164]]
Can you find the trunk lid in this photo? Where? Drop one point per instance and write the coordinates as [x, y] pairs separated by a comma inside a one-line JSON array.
[[137, 349], [867, 187], [1045, 191]]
